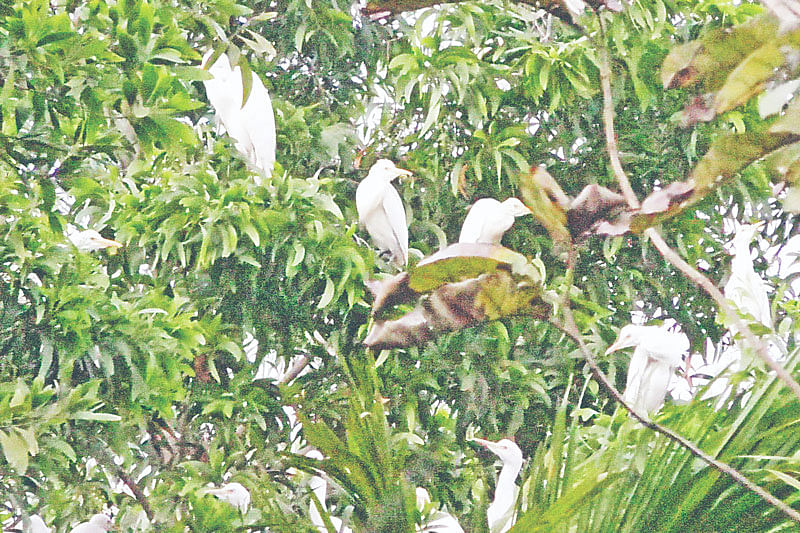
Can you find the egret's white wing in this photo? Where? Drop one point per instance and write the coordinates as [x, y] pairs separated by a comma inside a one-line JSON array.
[[259, 121], [473, 226], [749, 293], [636, 374], [654, 385], [486, 222], [38, 525], [396, 215], [251, 126]]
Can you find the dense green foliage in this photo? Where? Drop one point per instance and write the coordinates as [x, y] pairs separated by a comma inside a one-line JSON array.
[[132, 365]]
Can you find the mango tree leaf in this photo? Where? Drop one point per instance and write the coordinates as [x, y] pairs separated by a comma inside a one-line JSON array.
[[15, 450], [714, 55]]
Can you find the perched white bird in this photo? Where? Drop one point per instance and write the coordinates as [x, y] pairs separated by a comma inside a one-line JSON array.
[[656, 356], [320, 489], [251, 125], [233, 493], [381, 210], [38, 525], [435, 521], [99, 523], [745, 288], [501, 514], [90, 240], [488, 220]]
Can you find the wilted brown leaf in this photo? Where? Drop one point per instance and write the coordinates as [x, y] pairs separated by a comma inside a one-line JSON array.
[[661, 200], [715, 54], [458, 305], [594, 203], [389, 292], [548, 203]]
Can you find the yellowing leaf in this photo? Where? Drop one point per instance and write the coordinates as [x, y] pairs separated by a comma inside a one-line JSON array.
[[15, 450]]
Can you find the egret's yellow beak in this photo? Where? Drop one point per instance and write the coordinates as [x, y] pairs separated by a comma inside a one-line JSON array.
[[482, 442], [109, 243], [403, 173]]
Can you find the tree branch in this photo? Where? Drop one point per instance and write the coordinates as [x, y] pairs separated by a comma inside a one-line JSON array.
[[137, 492], [658, 241], [703, 282], [608, 121], [571, 329]]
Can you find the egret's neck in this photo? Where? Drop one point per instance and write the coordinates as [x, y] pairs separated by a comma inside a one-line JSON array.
[[505, 493], [508, 475]]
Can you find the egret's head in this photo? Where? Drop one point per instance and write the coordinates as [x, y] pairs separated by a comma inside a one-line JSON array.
[[630, 335], [90, 240], [387, 170], [745, 235], [516, 208], [102, 521], [505, 449]]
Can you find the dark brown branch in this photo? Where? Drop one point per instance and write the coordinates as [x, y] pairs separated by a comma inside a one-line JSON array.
[[137, 492], [661, 245], [703, 282], [571, 329]]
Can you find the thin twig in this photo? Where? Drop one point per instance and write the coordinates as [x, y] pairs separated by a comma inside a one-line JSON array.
[[658, 241], [572, 330], [697, 277], [608, 121], [137, 492], [297, 367]]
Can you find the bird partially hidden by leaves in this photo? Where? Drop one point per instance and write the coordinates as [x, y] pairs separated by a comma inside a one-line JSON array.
[[656, 355], [251, 124], [381, 211], [90, 240], [233, 493], [500, 514], [745, 288], [434, 520], [319, 486], [99, 523], [488, 220]]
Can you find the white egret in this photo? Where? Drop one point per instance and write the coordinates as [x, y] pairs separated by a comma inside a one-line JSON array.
[[435, 521], [38, 525], [381, 210], [500, 513], [745, 288], [488, 220], [89, 240], [320, 489], [99, 523], [233, 493], [251, 125], [656, 355]]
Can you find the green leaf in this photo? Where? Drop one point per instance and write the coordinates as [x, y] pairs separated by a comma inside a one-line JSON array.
[[15, 450], [96, 417], [327, 295]]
